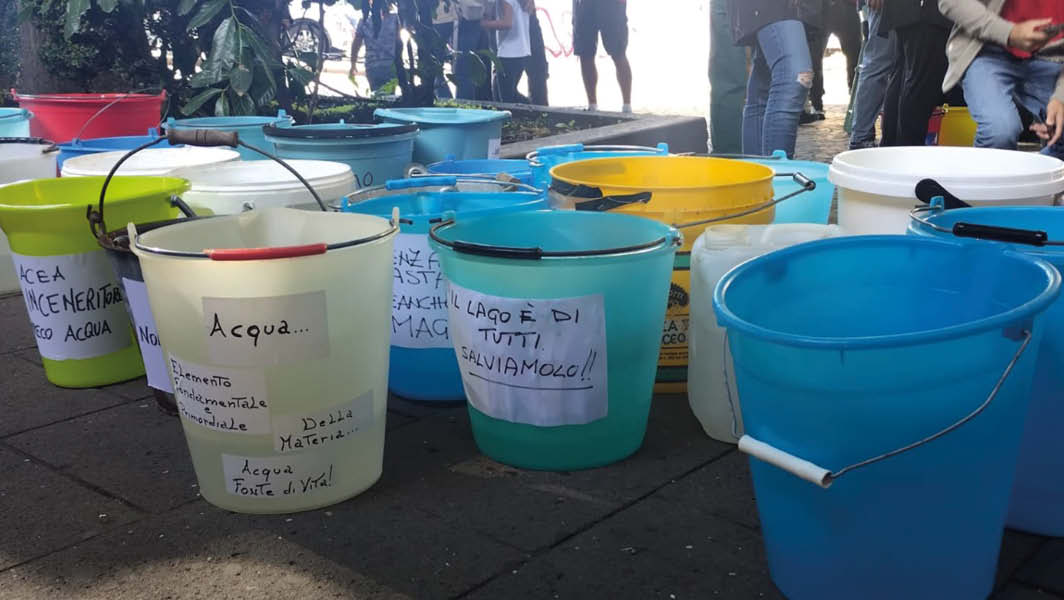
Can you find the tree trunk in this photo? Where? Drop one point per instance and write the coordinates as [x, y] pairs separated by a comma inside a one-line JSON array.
[[35, 79]]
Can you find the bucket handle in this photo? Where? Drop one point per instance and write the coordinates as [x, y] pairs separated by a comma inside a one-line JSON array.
[[120, 98], [189, 137], [938, 198], [809, 471], [593, 199], [49, 145], [807, 185]]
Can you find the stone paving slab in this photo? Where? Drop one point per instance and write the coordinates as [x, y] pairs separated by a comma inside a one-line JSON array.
[[29, 401], [133, 451], [721, 489], [15, 324], [42, 511]]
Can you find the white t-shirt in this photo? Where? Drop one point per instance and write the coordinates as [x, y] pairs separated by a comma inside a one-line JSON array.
[[514, 42]]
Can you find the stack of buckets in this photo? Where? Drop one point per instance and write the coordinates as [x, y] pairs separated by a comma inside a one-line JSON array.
[[884, 379]]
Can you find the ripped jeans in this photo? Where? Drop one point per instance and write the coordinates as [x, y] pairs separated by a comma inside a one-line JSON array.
[[779, 83]]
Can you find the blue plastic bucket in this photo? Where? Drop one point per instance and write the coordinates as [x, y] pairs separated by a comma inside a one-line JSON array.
[[375, 153], [77, 147], [555, 317], [548, 157], [249, 128], [15, 122], [464, 133], [1038, 494], [814, 207], [516, 168], [422, 365], [849, 349]]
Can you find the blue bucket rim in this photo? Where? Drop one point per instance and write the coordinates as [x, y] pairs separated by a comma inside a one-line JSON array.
[[238, 121], [982, 215], [730, 320], [337, 131], [14, 112], [382, 205], [469, 116]]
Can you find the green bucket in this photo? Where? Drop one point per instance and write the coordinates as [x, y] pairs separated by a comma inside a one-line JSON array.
[[74, 302]]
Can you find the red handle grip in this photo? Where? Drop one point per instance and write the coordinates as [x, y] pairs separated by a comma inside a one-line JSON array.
[[264, 253]]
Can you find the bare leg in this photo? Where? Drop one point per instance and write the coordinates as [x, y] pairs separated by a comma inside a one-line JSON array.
[[587, 69], [624, 77]]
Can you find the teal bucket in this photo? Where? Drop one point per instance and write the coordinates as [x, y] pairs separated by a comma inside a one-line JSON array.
[[375, 153], [895, 372], [459, 133], [249, 128], [422, 365], [543, 160], [555, 317], [814, 207], [1037, 502], [15, 122]]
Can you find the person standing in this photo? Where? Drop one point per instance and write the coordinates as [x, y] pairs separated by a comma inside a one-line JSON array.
[[840, 18], [471, 38], [537, 70], [382, 48], [874, 74], [727, 83], [990, 55], [608, 18], [514, 46], [919, 32], [443, 24], [782, 71]]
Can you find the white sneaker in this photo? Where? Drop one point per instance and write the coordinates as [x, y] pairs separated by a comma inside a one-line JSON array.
[[627, 109]]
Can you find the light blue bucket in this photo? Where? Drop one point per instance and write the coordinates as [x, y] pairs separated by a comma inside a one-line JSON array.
[[1038, 495], [488, 168], [375, 153], [464, 133], [548, 157], [78, 147], [422, 365], [249, 128], [561, 312], [15, 122], [895, 370], [814, 207]]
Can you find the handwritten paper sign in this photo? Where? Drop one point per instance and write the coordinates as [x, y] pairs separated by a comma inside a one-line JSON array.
[[539, 362], [419, 295], [273, 477], [231, 400], [251, 332], [75, 304], [147, 335], [322, 428]]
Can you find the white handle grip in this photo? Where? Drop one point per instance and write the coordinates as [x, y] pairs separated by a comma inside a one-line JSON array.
[[798, 467]]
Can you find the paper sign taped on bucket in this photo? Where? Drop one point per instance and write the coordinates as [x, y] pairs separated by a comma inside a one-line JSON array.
[[251, 332], [533, 361]]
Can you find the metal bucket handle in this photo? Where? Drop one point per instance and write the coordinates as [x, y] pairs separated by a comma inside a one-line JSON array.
[[938, 198], [537, 253], [190, 137], [807, 185], [49, 145], [120, 98], [809, 471]]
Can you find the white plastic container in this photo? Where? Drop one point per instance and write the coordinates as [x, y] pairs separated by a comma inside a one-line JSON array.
[[877, 185], [710, 376], [153, 161], [233, 187], [277, 346], [20, 161]]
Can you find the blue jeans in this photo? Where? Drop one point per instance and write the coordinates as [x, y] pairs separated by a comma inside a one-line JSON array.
[[779, 82], [989, 85], [727, 79], [871, 83]]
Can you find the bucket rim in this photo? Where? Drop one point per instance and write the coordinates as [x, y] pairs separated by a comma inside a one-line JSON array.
[[340, 131], [237, 121], [768, 177], [387, 202], [101, 163], [168, 186], [980, 215], [89, 98], [427, 115], [731, 321], [324, 173], [671, 239], [16, 113]]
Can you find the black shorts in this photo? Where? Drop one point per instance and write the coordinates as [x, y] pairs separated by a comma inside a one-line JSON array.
[[590, 17]]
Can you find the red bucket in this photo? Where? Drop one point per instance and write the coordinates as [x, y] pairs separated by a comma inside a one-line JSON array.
[[62, 117]]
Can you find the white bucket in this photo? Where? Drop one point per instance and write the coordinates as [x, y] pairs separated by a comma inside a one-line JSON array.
[[230, 188], [877, 185], [153, 161], [710, 378], [277, 346], [20, 161]]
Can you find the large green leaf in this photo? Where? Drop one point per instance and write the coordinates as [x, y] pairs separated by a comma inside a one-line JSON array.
[[75, 8], [225, 47], [206, 13], [242, 105], [199, 100], [240, 80], [221, 107], [107, 5], [185, 6]]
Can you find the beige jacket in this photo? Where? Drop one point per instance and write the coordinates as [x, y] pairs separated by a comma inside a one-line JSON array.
[[975, 23]]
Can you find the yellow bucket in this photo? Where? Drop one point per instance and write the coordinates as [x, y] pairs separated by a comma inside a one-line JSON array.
[[674, 190], [958, 127]]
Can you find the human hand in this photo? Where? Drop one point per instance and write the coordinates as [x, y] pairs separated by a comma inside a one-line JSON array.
[[1027, 36], [1054, 125]]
